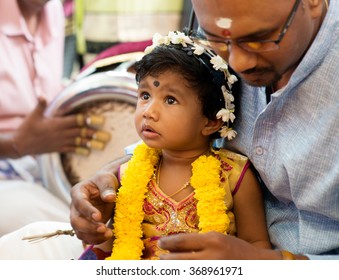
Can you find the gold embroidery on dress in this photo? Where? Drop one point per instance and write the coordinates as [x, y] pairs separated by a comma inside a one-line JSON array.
[[167, 215]]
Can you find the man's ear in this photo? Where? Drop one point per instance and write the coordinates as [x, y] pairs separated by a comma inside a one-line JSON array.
[[316, 7], [212, 126]]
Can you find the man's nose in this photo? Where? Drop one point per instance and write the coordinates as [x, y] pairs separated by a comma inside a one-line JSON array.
[[241, 60]]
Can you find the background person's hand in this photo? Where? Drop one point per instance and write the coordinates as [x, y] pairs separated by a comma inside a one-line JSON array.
[[39, 134]]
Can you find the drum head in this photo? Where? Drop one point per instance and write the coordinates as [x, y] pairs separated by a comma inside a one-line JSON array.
[[110, 94]]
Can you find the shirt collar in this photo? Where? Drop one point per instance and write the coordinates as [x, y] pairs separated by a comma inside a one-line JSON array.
[[12, 22]]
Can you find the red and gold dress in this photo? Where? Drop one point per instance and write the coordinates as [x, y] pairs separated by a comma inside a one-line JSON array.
[[165, 216]]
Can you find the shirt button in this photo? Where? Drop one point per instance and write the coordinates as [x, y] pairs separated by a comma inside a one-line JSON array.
[[259, 150]]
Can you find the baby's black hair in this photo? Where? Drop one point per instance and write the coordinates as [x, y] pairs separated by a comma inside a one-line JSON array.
[[196, 70]]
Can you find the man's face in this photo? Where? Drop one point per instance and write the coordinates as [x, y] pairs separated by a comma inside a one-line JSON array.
[[252, 21]]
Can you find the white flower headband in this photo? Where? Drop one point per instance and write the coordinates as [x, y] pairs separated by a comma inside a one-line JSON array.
[[179, 38]]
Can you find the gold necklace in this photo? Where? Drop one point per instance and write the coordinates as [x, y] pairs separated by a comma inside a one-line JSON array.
[[157, 176]]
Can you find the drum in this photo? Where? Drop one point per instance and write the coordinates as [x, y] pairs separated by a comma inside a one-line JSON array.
[[111, 94]]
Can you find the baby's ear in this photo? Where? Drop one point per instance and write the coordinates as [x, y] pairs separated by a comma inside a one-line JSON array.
[[212, 126]]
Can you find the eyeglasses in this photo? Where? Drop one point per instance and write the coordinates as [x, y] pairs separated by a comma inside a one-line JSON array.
[[250, 46]]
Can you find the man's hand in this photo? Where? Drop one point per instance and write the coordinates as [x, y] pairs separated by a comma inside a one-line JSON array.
[[93, 202], [212, 246]]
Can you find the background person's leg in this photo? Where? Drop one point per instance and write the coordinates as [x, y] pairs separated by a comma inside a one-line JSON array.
[[63, 247], [22, 203]]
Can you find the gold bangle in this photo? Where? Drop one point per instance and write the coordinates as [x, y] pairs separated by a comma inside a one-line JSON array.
[[77, 141], [82, 151], [101, 135], [80, 119], [83, 132], [94, 144], [95, 120], [286, 255]]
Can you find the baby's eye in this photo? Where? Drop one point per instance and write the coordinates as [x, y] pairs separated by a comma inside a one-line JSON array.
[[171, 100], [144, 95]]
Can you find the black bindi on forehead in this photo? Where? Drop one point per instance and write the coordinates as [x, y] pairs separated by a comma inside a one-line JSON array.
[[156, 83]]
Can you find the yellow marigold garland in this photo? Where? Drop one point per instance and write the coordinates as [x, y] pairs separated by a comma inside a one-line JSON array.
[[205, 180], [129, 204], [210, 195]]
